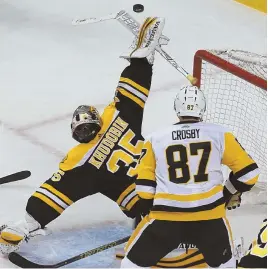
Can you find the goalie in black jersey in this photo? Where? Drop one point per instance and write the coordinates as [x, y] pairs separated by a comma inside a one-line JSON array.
[[110, 146]]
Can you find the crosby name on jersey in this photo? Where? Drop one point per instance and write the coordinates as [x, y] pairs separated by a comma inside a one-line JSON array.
[[185, 134]]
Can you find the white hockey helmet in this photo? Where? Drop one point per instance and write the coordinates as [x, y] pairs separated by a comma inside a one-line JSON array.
[[190, 102]]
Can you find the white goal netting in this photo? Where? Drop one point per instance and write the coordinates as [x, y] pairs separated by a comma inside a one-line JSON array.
[[234, 83]]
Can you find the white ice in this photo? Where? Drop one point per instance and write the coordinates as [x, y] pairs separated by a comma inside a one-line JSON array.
[[48, 67]]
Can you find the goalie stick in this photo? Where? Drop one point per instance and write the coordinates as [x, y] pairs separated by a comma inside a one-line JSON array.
[[131, 24], [15, 177], [22, 262], [94, 20]]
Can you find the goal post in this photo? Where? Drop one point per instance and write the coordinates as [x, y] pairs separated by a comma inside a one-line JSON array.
[[235, 85]]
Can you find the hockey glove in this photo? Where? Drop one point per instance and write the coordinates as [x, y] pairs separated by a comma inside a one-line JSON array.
[[144, 206], [232, 201], [141, 208]]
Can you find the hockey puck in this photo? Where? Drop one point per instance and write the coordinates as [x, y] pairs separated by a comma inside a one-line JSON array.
[[138, 8]]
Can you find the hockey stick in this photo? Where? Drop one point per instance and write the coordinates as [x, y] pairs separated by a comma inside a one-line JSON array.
[[22, 262], [94, 20], [134, 29], [15, 177], [131, 24]]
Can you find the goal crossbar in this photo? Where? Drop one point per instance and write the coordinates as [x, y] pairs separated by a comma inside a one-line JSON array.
[[226, 66]]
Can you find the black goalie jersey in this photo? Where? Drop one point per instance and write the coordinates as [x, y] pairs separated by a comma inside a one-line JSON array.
[[106, 164]]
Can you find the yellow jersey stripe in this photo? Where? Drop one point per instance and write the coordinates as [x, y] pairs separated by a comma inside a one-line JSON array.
[[216, 213], [57, 193], [132, 203], [228, 226], [252, 181], [48, 202], [145, 195], [125, 193], [189, 197], [202, 265], [132, 97], [135, 85]]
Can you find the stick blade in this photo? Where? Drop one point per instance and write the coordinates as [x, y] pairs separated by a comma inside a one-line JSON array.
[[81, 21], [20, 261], [15, 177]]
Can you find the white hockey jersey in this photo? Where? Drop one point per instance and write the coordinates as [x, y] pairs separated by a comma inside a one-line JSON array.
[[181, 171]]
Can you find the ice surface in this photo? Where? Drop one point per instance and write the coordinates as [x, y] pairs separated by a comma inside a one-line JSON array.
[[65, 244], [48, 67]]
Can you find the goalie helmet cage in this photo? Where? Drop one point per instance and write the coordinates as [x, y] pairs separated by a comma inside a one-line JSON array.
[[234, 83]]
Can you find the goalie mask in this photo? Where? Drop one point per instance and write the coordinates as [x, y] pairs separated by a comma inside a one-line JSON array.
[[86, 123], [190, 102]]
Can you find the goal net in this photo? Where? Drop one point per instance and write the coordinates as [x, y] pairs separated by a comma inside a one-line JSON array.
[[235, 86]]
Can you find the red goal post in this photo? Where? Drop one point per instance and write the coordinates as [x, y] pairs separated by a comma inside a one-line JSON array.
[[235, 85]]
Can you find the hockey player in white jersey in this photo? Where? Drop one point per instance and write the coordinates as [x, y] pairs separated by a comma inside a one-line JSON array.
[[180, 174]]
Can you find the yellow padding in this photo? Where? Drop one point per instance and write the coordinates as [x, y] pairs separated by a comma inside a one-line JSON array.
[[11, 237], [3, 242], [143, 31], [260, 5], [132, 97], [48, 202], [57, 193]]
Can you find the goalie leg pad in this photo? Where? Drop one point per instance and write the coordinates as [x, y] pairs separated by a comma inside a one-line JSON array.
[[14, 235]]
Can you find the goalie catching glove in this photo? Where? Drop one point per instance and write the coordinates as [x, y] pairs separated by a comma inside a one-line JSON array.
[[232, 196]]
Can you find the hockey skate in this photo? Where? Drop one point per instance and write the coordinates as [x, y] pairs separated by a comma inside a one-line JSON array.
[[146, 41], [13, 236]]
